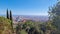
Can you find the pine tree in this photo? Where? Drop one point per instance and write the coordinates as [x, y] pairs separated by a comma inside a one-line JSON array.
[[7, 14]]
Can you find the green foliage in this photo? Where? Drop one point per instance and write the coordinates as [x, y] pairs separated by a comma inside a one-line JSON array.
[[10, 15], [7, 14], [31, 27], [11, 20], [50, 26], [28, 23], [23, 32], [55, 15], [4, 25], [18, 28]]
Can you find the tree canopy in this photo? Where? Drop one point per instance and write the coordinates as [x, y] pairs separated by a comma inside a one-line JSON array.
[[55, 15]]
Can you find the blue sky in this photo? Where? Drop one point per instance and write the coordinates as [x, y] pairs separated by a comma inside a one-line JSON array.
[[26, 7]]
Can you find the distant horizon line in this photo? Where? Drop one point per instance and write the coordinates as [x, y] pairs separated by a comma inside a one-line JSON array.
[[26, 15]]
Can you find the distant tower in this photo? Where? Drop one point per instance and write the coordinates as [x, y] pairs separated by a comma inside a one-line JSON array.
[[7, 14]]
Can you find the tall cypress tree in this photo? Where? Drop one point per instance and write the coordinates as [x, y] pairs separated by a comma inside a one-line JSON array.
[[11, 20], [10, 15], [7, 14]]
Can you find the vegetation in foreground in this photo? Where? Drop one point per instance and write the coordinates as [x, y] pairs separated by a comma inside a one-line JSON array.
[[52, 26], [29, 27]]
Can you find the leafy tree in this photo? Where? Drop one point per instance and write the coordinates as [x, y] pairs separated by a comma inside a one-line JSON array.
[[18, 28], [55, 15], [28, 23]]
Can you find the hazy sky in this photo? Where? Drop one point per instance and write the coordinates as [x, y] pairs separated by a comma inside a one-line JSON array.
[[26, 7]]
